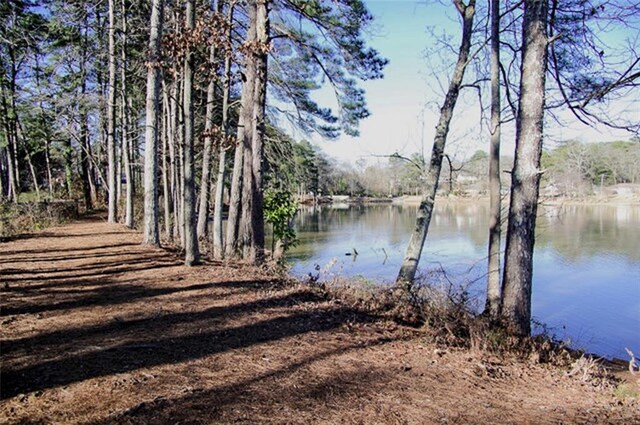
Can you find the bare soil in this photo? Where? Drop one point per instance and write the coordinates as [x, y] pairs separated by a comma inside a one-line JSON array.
[[97, 328]]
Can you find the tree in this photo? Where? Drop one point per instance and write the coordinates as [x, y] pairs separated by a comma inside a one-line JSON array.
[[126, 151], [242, 176], [192, 254], [225, 144], [425, 210], [151, 232], [516, 304], [111, 117], [492, 306]]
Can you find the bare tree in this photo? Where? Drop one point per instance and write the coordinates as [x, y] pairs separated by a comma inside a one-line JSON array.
[[242, 167], [492, 306], [425, 210], [151, 233], [189, 198], [126, 157], [111, 117], [203, 209], [525, 179], [218, 250]]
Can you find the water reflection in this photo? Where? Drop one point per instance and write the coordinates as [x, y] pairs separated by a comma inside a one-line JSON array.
[[586, 265]]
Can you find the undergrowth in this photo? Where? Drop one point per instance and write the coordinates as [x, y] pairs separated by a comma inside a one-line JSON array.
[[26, 217], [446, 317]]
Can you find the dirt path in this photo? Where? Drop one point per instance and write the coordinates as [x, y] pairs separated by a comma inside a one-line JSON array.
[[96, 328]]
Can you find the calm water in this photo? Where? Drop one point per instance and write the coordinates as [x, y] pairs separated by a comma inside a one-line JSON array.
[[586, 285]]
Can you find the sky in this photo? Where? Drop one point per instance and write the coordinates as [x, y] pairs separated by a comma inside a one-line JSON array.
[[404, 105]]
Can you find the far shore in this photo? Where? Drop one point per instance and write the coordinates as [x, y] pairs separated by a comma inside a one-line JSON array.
[[616, 200]]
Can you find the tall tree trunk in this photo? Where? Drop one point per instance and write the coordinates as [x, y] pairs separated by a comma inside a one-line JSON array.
[[235, 197], [165, 166], [7, 130], [256, 251], [14, 186], [203, 210], [492, 307], [128, 217], [119, 163], [151, 233], [247, 114], [3, 175], [12, 119], [425, 210], [111, 117], [218, 249], [84, 159], [525, 178], [126, 158], [190, 237], [85, 172], [47, 132], [67, 153], [175, 167]]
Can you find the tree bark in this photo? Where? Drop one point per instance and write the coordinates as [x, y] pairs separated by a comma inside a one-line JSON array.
[[190, 237], [126, 159], [218, 249], [235, 197], [425, 210], [247, 113], [111, 117], [203, 209], [167, 190], [516, 309], [32, 170], [238, 226], [175, 153], [151, 233], [256, 251], [492, 306]]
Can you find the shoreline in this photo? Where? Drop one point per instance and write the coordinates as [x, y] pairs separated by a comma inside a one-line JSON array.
[[410, 200]]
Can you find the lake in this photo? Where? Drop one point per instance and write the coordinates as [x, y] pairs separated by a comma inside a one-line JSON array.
[[586, 280]]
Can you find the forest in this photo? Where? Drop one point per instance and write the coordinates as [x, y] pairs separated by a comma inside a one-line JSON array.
[[175, 118]]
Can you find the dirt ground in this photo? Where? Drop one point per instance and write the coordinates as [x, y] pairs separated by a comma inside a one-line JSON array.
[[97, 328]]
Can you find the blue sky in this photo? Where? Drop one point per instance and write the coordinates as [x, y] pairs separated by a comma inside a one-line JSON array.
[[410, 95]]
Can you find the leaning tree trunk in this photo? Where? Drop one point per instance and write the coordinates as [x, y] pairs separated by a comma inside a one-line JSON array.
[[218, 250], [425, 210], [111, 117], [151, 233], [203, 209], [190, 238], [32, 170], [525, 178], [492, 307]]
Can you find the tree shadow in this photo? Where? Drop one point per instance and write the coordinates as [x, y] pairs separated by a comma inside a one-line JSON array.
[[180, 338], [60, 273], [66, 257], [93, 335], [243, 396], [57, 249]]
